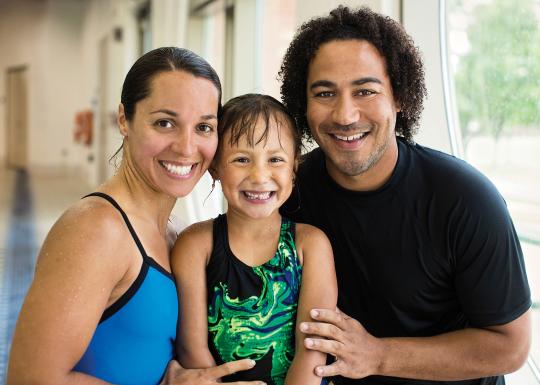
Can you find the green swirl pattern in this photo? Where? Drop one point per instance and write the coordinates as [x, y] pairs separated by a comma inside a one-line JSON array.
[[261, 325]]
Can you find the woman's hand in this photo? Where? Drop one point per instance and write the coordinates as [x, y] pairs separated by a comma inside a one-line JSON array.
[[177, 375]]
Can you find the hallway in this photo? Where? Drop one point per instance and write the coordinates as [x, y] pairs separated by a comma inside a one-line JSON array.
[[29, 205]]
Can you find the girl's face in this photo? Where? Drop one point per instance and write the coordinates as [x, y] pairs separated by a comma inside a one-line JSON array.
[[257, 180], [172, 137]]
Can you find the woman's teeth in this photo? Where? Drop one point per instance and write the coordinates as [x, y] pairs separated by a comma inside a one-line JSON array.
[[177, 170]]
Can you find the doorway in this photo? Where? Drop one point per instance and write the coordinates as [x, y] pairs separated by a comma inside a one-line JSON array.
[[17, 117]]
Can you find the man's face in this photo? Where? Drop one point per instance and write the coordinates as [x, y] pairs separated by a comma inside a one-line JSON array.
[[352, 113]]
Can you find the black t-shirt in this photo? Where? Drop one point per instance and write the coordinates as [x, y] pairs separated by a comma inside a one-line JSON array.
[[431, 251]]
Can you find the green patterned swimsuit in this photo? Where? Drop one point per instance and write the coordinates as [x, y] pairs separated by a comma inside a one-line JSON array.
[[252, 310]]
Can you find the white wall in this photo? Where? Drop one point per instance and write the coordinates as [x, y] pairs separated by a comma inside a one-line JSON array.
[[59, 42], [433, 130]]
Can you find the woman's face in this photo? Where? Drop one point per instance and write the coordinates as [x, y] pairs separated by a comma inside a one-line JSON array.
[[172, 137]]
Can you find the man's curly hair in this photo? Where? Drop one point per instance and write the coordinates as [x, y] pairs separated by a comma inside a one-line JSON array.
[[403, 62]]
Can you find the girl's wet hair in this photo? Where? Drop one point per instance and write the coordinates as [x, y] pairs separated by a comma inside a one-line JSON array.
[[240, 116]]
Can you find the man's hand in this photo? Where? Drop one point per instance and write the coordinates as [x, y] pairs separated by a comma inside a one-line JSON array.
[[358, 354], [177, 375]]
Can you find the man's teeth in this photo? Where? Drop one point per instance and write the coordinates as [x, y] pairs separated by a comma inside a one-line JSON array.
[[178, 170], [261, 195], [352, 137]]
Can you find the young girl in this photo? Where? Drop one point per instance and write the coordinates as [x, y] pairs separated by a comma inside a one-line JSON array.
[[246, 278]]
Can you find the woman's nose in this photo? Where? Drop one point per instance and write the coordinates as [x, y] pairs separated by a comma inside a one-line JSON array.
[[184, 144]]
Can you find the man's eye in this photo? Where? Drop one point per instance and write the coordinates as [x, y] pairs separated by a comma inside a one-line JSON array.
[[324, 94], [241, 160], [162, 123], [276, 159], [365, 92], [207, 128]]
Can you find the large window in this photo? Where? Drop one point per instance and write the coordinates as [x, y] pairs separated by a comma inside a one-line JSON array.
[[494, 68]]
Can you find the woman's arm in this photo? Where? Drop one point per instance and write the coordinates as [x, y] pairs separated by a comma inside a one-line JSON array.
[[188, 260], [77, 269], [318, 290]]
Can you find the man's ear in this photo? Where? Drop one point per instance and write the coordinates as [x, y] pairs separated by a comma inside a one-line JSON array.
[[122, 120]]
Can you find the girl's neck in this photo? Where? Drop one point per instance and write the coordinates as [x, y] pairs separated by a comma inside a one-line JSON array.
[[253, 227], [253, 241]]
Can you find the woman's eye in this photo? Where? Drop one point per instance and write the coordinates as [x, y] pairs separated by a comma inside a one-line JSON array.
[[164, 123], [276, 159], [206, 128], [241, 160]]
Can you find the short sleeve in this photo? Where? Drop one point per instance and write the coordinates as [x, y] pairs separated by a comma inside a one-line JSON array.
[[489, 275]]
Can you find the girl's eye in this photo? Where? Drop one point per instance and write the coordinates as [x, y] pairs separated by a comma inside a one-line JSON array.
[[206, 128], [241, 160], [276, 159], [162, 123]]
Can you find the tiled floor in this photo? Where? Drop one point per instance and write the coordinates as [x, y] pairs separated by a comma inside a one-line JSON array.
[[41, 202]]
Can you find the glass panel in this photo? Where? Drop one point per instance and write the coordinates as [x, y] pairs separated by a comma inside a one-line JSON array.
[[494, 58]]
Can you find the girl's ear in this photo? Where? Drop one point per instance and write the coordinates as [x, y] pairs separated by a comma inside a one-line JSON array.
[[122, 121]]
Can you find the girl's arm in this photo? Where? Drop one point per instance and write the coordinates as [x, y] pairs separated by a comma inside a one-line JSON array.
[[188, 260], [318, 290], [77, 269]]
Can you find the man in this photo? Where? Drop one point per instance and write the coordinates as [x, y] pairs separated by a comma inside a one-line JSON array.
[[432, 283]]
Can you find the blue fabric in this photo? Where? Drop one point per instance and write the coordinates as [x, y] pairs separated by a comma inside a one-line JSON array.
[[136, 343]]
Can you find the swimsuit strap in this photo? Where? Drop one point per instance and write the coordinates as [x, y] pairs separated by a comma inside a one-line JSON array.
[[126, 220]]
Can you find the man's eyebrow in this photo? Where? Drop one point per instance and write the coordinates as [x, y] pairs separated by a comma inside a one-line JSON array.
[[322, 83], [209, 117], [357, 82]]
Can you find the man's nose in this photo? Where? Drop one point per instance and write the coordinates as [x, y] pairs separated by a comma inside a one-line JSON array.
[[345, 111]]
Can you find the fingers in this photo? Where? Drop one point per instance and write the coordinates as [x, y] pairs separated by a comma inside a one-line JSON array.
[[230, 368], [324, 346], [329, 370], [321, 329], [336, 317]]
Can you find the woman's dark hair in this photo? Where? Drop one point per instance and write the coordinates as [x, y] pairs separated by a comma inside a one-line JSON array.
[[137, 83], [403, 62], [240, 115]]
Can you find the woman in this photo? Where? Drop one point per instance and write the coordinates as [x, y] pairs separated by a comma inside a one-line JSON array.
[[103, 305]]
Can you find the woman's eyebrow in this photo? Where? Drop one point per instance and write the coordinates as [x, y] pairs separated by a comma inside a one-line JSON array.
[[165, 111]]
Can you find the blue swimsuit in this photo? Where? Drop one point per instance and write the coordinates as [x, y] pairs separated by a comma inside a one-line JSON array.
[[134, 340]]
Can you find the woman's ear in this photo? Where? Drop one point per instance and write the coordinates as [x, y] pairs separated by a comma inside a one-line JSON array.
[[122, 121], [213, 172]]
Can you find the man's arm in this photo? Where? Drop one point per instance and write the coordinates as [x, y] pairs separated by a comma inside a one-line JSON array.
[[458, 355]]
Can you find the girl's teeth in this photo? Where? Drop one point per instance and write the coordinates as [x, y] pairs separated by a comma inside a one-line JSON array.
[[261, 196], [178, 170]]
